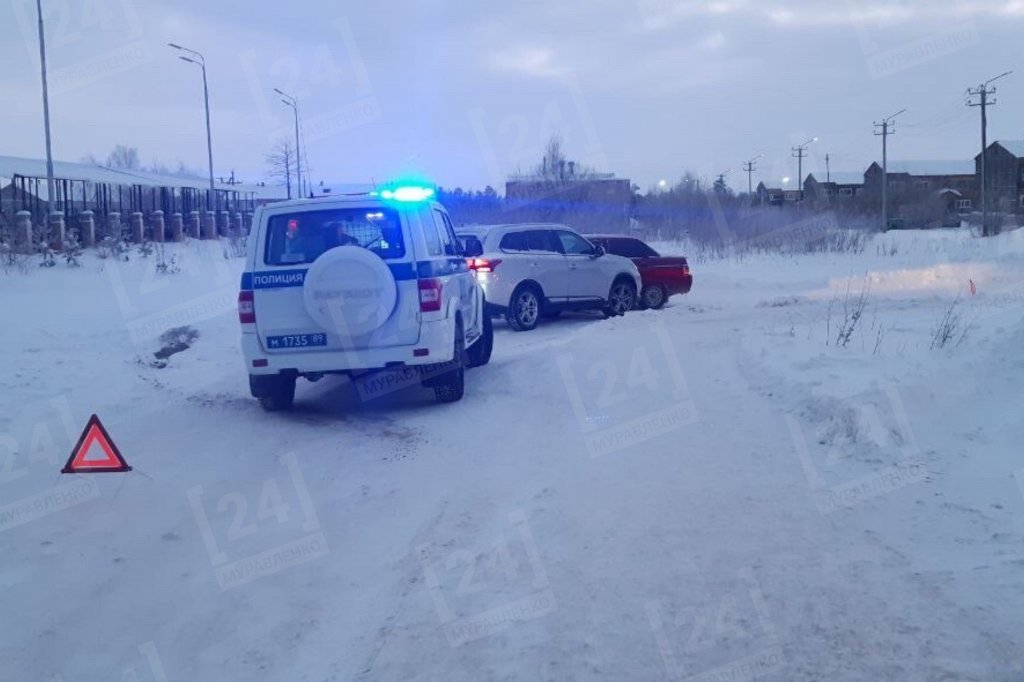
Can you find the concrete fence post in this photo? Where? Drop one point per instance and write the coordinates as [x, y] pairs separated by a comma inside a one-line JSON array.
[[210, 225], [156, 223], [55, 233], [237, 227], [23, 229], [138, 227], [193, 224], [87, 228], [247, 224], [177, 226], [114, 225], [224, 223]]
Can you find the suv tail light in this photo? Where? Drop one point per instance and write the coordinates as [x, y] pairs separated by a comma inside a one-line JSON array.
[[686, 268], [246, 309], [430, 295], [483, 264]]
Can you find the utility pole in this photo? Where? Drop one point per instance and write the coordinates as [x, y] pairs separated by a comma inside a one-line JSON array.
[[46, 113], [800, 153], [198, 59], [750, 167], [828, 169], [888, 126], [294, 104], [982, 92]]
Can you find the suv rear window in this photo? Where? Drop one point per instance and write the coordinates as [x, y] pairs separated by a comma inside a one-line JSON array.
[[300, 238]]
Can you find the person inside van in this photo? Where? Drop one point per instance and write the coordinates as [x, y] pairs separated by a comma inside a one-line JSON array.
[[337, 235]]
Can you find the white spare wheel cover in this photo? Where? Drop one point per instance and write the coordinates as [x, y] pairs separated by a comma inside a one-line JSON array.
[[349, 291]]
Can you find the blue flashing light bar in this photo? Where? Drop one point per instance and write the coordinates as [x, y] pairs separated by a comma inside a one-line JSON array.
[[407, 193]]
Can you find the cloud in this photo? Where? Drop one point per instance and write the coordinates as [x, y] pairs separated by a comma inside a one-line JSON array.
[[526, 61], [662, 14]]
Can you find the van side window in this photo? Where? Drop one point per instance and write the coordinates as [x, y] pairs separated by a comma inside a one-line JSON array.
[[448, 246], [432, 235], [452, 237]]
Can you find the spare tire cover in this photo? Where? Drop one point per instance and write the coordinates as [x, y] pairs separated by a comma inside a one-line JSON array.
[[349, 291]]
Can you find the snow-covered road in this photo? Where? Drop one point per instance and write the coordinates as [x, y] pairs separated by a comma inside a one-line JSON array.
[[709, 491]]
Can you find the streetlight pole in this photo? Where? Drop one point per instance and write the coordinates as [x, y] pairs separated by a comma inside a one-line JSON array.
[[197, 58], [800, 151], [294, 104], [46, 112]]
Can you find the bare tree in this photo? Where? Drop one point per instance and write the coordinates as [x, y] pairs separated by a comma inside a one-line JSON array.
[[123, 157], [555, 166], [281, 163]]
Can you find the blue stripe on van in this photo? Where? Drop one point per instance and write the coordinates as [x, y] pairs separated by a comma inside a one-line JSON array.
[[439, 267], [280, 279]]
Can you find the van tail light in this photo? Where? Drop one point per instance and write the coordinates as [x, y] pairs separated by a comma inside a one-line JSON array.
[[483, 264], [246, 309], [430, 295]]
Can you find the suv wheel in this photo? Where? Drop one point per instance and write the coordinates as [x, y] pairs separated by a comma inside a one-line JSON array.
[[450, 386], [480, 352], [653, 297], [276, 393], [524, 308], [621, 298]]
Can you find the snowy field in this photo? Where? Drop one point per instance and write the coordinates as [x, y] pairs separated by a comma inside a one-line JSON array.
[[739, 486]]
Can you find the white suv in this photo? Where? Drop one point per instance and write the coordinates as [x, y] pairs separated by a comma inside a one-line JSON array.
[[367, 282], [534, 270]]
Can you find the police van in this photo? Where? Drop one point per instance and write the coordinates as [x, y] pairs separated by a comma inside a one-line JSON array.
[[359, 284]]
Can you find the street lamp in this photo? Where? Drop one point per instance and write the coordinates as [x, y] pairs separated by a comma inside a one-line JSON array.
[[46, 112], [800, 151], [294, 104], [197, 58]]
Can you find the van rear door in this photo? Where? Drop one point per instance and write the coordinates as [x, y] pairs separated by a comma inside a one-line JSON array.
[[331, 278]]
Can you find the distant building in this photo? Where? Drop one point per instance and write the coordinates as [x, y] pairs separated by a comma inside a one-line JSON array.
[[837, 186], [585, 200], [1004, 175], [769, 196], [910, 180]]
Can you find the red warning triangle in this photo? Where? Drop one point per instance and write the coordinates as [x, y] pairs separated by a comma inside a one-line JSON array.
[[95, 452]]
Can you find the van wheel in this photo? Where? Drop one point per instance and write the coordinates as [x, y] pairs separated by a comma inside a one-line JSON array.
[[621, 298], [276, 393], [450, 386], [480, 352], [524, 308]]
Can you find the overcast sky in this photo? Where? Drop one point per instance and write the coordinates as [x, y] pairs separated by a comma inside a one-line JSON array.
[[466, 92]]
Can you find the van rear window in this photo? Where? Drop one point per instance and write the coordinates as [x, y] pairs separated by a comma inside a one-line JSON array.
[[300, 238]]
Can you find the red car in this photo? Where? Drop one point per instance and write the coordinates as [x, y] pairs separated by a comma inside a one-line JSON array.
[[662, 276]]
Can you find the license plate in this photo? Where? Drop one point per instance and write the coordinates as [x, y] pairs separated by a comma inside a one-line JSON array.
[[296, 341]]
